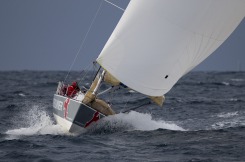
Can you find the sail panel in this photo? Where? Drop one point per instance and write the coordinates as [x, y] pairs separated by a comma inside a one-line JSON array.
[[156, 42]]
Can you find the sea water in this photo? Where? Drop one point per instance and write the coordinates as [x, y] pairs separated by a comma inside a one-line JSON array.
[[202, 119]]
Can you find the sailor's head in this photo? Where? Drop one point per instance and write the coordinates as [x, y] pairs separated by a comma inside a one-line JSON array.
[[74, 84]]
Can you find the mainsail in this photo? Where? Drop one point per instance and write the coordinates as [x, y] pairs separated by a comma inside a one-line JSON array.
[[156, 42]]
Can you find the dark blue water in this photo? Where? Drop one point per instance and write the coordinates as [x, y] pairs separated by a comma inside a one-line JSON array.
[[203, 119]]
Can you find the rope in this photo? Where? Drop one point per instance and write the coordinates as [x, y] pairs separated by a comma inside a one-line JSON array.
[[81, 46], [85, 71], [114, 5]]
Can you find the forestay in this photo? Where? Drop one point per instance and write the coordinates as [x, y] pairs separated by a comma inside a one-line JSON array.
[[158, 41]]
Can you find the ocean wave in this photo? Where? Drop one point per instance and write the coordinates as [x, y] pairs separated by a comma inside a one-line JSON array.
[[227, 115], [39, 123], [229, 123], [131, 121], [22, 95], [237, 80], [226, 83], [232, 83]]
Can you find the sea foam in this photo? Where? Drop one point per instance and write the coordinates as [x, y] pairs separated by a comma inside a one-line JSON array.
[[37, 122], [132, 121]]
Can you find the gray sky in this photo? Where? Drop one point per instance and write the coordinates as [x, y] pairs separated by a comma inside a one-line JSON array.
[[46, 35]]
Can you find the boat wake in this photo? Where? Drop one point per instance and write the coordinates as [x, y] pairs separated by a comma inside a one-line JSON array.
[[37, 122], [131, 121]]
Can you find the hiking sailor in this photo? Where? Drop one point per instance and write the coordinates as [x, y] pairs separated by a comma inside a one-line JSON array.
[[72, 90]]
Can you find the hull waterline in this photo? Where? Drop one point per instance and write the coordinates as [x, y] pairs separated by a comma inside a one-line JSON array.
[[72, 114]]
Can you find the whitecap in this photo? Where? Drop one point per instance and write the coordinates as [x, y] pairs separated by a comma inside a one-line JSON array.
[[39, 123], [22, 94], [132, 121], [226, 83], [227, 115], [227, 124], [131, 91], [234, 122], [233, 99]]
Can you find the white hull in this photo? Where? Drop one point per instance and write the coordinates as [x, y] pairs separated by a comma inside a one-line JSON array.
[[73, 115]]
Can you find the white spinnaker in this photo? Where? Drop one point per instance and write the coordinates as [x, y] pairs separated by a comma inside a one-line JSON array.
[[158, 41]]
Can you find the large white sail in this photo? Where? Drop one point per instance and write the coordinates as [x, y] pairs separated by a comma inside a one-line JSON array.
[[158, 41]]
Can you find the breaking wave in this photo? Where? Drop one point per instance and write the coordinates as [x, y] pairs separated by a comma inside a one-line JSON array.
[[230, 119], [131, 121], [37, 122], [227, 115], [226, 83], [229, 123]]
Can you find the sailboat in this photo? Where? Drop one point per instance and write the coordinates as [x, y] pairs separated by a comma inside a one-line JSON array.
[[154, 44]]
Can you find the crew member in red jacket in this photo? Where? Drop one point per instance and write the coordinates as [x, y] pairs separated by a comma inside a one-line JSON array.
[[72, 90]]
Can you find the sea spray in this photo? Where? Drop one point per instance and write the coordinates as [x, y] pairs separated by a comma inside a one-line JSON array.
[[131, 121], [37, 122], [229, 123]]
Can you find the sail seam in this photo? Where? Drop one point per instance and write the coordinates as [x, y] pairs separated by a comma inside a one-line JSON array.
[[188, 30]]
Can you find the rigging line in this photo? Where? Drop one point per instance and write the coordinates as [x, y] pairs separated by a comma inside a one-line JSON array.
[[86, 71], [95, 69], [96, 73], [107, 90], [81, 46], [114, 5]]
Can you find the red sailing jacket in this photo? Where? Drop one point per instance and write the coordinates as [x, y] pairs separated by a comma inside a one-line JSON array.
[[72, 90]]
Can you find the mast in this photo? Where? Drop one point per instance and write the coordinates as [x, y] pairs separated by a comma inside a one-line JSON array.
[[98, 83]]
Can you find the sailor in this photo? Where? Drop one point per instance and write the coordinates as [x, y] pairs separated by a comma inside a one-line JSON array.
[[72, 90], [63, 90]]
